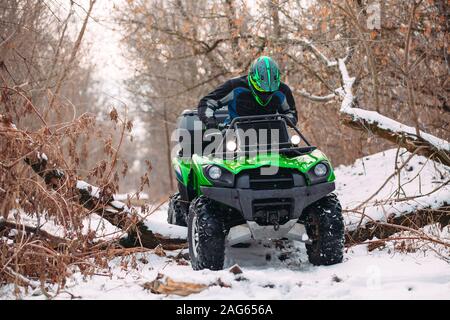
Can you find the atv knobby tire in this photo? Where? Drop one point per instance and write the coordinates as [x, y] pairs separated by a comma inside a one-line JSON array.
[[177, 213], [325, 227], [206, 235]]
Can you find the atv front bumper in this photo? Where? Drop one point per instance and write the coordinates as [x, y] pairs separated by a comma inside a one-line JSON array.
[[244, 199]]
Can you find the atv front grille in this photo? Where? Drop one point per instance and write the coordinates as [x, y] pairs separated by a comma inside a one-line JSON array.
[[272, 211], [262, 180]]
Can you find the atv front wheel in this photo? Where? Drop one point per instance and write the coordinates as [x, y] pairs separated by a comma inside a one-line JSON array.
[[177, 212], [206, 235], [325, 228]]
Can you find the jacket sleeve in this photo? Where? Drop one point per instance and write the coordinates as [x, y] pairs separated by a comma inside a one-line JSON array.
[[215, 95], [288, 107]]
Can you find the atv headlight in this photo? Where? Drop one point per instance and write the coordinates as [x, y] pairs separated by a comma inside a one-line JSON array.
[[231, 145], [320, 170], [295, 139], [218, 176], [214, 172]]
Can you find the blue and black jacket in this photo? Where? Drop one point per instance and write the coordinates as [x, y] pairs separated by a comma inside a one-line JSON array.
[[236, 94]]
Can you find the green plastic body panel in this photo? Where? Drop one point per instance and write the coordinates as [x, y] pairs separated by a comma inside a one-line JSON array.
[[190, 171]]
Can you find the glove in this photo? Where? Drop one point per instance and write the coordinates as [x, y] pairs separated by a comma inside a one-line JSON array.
[[214, 104], [291, 117], [222, 126]]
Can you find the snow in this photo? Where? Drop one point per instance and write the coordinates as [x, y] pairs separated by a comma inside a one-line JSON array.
[[124, 197], [318, 98], [157, 223], [42, 156], [101, 227], [118, 204], [93, 191], [346, 92], [281, 270], [395, 126]]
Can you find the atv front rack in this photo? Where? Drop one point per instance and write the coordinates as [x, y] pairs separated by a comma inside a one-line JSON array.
[[253, 122], [265, 118]]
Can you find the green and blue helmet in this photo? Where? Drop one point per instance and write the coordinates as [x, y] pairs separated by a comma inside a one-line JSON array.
[[264, 79]]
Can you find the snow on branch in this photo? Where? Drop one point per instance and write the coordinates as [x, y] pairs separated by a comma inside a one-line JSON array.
[[308, 44], [315, 98], [330, 64], [387, 128]]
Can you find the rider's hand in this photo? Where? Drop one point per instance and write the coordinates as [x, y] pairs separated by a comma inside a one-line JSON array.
[[214, 104], [291, 117], [222, 126]]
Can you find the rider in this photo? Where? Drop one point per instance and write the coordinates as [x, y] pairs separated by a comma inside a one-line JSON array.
[[259, 93]]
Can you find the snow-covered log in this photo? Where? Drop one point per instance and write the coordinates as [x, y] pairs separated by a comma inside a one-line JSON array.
[[53, 241], [389, 129], [383, 230]]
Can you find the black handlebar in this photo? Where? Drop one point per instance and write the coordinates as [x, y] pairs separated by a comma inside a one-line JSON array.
[[263, 118]]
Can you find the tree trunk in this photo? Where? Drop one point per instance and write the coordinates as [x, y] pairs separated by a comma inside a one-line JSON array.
[[168, 150]]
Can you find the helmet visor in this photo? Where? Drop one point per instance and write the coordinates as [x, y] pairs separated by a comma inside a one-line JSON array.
[[262, 97]]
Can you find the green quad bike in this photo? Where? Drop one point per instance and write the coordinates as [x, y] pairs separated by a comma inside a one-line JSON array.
[[231, 200]]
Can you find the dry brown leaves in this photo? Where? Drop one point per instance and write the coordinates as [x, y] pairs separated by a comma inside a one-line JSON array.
[[165, 285]]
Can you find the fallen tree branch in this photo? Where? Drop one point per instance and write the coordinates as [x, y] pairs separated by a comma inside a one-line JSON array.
[[424, 195], [363, 120], [54, 241], [22, 279], [385, 229]]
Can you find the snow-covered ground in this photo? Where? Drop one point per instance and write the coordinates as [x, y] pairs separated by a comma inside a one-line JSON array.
[[281, 270], [363, 275], [358, 182]]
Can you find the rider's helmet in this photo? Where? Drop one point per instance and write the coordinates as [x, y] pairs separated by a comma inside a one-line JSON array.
[[264, 79]]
